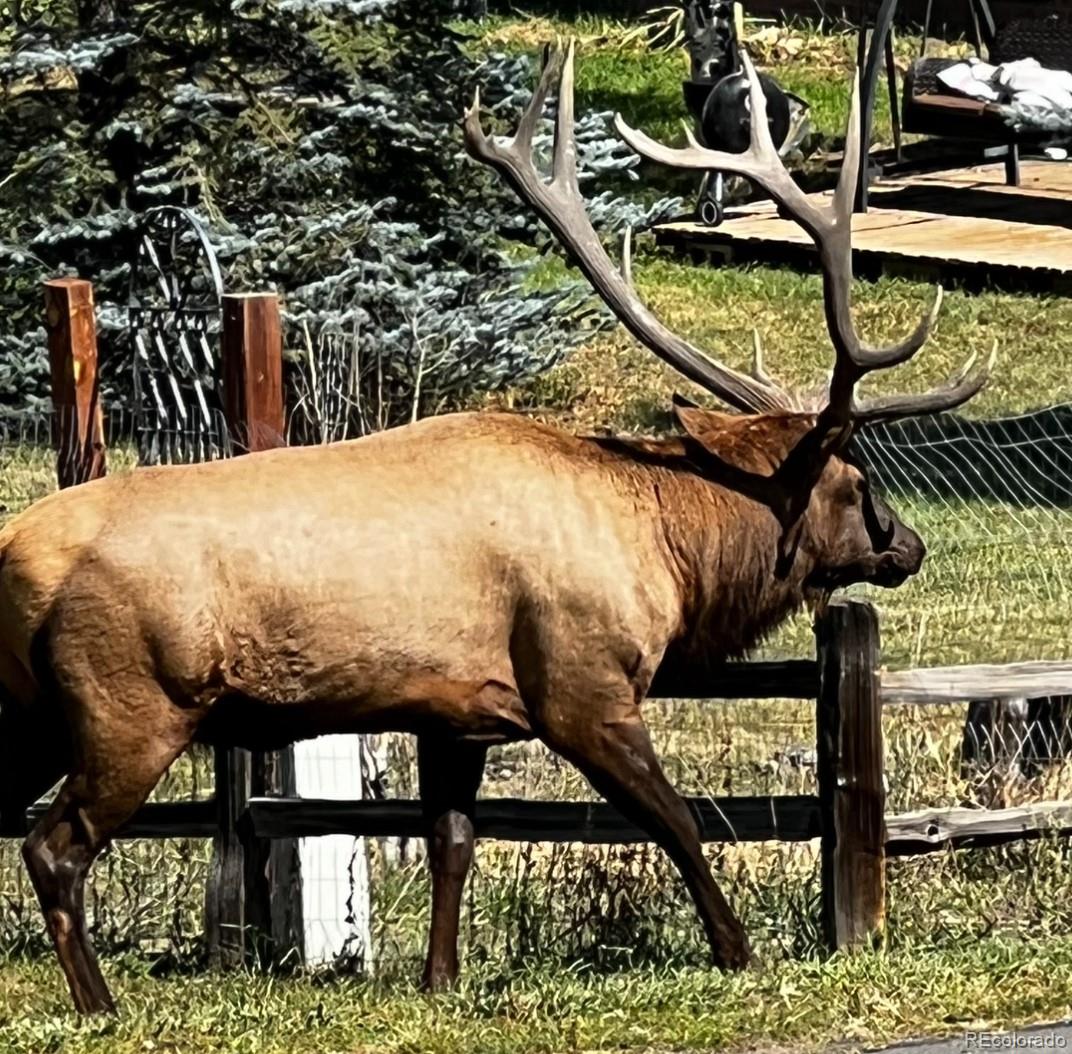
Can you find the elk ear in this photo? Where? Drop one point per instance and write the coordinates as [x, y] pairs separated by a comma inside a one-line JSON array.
[[726, 458], [699, 424]]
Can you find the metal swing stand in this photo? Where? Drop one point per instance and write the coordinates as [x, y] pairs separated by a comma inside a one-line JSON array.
[[716, 95], [709, 208], [923, 110]]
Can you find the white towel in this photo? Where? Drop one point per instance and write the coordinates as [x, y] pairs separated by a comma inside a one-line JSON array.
[[1021, 83], [1027, 76], [973, 78]]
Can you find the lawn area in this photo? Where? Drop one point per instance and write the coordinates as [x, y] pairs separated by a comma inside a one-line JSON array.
[[614, 382], [866, 1000], [617, 70]]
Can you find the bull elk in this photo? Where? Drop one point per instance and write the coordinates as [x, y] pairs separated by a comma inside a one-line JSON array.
[[471, 578]]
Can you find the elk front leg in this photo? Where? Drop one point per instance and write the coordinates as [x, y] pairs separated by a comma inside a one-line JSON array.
[[58, 855], [611, 746], [450, 772]]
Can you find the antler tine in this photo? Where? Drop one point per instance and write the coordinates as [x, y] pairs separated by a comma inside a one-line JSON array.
[[962, 387], [561, 206], [760, 142], [864, 356], [845, 193], [483, 149], [855, 358], [564, 164], [526, 127]]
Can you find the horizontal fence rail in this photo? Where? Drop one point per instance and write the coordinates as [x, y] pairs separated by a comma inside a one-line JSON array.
[[957, 684], [737, 819], [928, 830], [789, 818], [165, 819]]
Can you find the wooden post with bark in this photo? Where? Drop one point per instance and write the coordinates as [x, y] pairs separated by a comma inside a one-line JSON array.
[[852, 797], [253, 903], [253, 370], [77, 427]]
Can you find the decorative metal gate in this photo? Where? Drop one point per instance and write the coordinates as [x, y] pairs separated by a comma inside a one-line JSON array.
[[174, 322]]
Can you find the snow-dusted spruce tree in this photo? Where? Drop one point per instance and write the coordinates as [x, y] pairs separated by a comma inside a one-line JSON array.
[[319, 142]]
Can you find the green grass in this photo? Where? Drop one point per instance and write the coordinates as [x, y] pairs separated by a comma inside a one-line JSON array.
[[28, 469], [867, 999], [645, 86], [27, 473], [614, 382]]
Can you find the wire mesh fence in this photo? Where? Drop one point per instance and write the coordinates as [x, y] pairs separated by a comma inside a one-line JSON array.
[[994, 501]]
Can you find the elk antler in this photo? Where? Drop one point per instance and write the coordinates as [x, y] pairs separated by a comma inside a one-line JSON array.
[[830, 227], [560, 205]]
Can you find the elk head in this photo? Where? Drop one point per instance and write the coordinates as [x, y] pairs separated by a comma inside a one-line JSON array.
[[777, 450]]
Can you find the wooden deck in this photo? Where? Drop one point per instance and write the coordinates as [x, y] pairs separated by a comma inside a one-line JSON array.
[[965, 225]]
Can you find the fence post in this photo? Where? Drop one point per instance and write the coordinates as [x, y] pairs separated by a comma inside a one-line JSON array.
[[274, 908], [253, 370], [225, 895], [253, 904], [77, 429], [852, 797]]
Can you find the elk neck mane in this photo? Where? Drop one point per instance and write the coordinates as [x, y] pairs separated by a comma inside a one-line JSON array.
[[724, 544]]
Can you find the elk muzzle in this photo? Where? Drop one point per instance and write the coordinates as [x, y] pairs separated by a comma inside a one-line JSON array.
[[899, 551]]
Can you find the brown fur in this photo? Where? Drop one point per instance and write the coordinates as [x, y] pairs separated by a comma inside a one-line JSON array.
[[469, 577]]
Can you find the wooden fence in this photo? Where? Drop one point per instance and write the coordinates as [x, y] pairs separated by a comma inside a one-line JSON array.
[[255, 817]]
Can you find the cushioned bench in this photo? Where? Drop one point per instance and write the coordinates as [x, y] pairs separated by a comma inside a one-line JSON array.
[[930, 108]]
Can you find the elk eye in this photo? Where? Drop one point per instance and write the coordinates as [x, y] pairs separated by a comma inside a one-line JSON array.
[[855, 491]]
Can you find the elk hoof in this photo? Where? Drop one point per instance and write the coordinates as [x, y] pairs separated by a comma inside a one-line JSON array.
[[95, 1004], [437, 981], [735, 958]]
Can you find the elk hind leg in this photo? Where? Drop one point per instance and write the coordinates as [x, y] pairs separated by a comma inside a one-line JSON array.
[[612, 748], [114, 774], [450, 771]]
